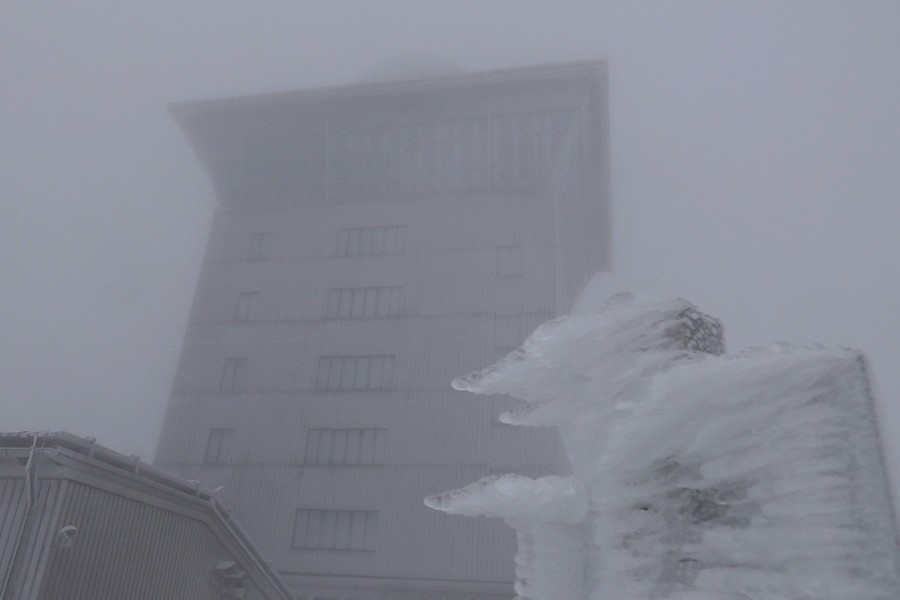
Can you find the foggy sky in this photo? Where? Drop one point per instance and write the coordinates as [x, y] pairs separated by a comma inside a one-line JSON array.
[[755, 165]]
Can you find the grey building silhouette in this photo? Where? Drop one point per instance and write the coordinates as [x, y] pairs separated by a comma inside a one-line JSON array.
[[373, 242]]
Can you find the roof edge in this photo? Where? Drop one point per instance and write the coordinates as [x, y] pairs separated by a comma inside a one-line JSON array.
[[133, 469], [181, 109]]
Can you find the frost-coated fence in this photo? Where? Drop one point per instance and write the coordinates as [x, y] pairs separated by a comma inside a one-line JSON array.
[[695, 475]]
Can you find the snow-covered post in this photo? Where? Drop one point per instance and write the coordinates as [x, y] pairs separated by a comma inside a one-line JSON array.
[[756, 476]]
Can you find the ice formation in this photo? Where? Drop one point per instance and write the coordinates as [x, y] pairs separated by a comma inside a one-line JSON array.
[[695, 475]]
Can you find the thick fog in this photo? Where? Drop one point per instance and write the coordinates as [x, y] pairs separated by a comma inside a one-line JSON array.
[[754, 169]]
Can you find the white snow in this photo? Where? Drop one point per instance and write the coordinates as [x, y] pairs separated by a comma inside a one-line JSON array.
[[554, 498], [548, 516], [694, 475]]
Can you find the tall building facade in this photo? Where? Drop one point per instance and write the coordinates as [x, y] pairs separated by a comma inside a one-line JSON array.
[[373, 242]]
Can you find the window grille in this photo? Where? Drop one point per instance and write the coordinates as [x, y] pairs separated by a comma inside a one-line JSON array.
[[335, 529], [355, 372], [363, 303], [232, 374], [217, 445], [344, 447], [371, 241]]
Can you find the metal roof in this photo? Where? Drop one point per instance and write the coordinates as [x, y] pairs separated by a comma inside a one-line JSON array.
[[84, 461]]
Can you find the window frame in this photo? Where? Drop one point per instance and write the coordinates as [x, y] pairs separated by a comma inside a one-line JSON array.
[[244, 305], [344, 447], [356, 303], [321, 529], [233, 373], [260, 248], [355, 373], [379, 240], [222, 437]]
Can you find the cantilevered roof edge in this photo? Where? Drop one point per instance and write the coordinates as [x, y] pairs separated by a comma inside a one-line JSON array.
[[182, 110]]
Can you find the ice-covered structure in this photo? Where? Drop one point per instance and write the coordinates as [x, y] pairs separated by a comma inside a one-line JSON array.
[[695, 475]]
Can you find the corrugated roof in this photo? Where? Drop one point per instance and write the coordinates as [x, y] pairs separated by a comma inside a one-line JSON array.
[[89, 460]]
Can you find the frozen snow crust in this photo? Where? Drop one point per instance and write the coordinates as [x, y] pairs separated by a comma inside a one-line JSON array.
[[694, 475]]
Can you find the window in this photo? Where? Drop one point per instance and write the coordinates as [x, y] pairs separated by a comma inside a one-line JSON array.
[[260, 246], [335, 529], [522, 145], [245, 303], [344, 447], [507, 332], [362, 303], [232, 374], [371, 241], [217, 445], [355, 372], [509, 261]]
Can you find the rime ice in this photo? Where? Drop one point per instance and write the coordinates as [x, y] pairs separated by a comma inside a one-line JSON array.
[[695, 475]]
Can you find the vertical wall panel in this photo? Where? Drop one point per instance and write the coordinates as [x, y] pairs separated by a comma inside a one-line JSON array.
[[129, 549], [13, 504]]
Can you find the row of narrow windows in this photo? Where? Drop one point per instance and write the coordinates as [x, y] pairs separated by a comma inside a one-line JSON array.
[[344, 447], [350, 447], [379, 241], [333, 373], [318, 529], [355, 372], [501, 152], [362, 372], [371, 241], [363, 303], [340, 303], [335, 446], [351, 241]]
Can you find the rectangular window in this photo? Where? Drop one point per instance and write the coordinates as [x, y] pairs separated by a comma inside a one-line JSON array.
[[244, 305], [371, 241], [509, 261], [507, 332], [363, 303], [260, 246], [355, 372], [344, 447], [217, 445], [232, 374], [316, 529]]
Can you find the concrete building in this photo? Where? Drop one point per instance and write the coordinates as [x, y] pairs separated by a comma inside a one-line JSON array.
[[80, 521], [372, 243]]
